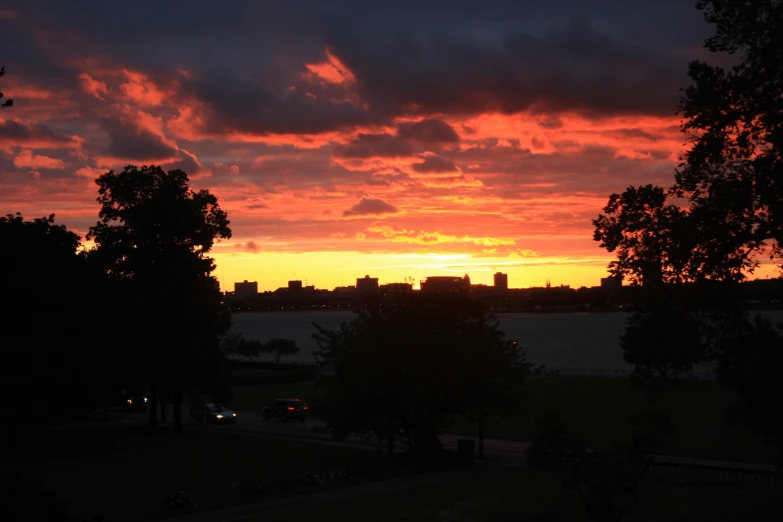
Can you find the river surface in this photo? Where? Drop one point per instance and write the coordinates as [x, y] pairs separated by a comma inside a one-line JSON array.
[[573, 343]]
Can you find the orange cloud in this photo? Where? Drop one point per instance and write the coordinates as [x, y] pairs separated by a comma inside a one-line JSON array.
[[332, 70], [26, 159], [93, 87]]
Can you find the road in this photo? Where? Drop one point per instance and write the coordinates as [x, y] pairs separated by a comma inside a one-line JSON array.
[[251, 422], [497, 450]]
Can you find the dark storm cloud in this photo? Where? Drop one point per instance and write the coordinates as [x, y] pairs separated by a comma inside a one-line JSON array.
[[370, 206], [410, 138], [37, 134], [129, 142], [575, 68], [375, 145], [434, 164], [430, 130], [234, 104], [445, 57]]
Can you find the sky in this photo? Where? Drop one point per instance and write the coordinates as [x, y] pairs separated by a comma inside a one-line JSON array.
[[395, 139]]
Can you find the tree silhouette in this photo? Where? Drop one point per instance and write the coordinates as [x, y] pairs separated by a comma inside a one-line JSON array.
[[53, 286], [750, 363], [650, 236], [280, 347], [155, 233], [730, 180], [6, 103], [734, 119], [236, 345], [402, 367]]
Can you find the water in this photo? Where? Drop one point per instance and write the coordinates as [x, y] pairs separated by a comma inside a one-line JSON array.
[[574, 343]]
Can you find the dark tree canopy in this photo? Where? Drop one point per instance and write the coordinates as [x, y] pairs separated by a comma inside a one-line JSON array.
[[650, 236], [730, 176], [280, 347], [154, 232], [6, 103], [734, 119], [54, 323], [750, 362], [402, 367]]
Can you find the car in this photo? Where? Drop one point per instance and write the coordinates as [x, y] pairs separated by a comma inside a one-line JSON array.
[[215, 414], [284, 409], [134, 402]]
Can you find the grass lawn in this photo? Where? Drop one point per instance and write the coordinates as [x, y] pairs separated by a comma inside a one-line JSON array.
[[124, 473], [595, 406], [598, 408], [519, 494]]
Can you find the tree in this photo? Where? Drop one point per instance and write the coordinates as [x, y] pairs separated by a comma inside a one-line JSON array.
[[734, 119], [53, 287], [155, 233], [280, 347], [400, 368], [662, 343], [493, 366], [750, 363], [6, 103], [236, 345]]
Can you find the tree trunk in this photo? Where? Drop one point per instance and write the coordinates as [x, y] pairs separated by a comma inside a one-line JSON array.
[[176, 401], [162, 407], [480, 433], [152, 407]]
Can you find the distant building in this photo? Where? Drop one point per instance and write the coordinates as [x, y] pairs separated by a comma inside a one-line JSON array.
[[446, 284], [501, 281], [396, 288], [345, 289], [245, 288], [294, 285], [367, 284], [611, 282]]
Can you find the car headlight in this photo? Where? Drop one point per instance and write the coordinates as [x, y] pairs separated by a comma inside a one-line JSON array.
[[235, 415], [219, 416]]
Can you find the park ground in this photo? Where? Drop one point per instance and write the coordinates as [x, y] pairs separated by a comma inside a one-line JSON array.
[[125, 472], [599, 408]]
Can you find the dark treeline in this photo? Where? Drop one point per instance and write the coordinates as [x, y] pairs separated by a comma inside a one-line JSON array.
[[689, 247], [139, 315]]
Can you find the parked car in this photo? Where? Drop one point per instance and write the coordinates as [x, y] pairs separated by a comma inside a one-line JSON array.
[[136, 403], [284, 409], [215, 414]]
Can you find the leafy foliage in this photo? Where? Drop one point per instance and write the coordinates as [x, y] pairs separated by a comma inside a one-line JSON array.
[[235, 344], [734, 119], [55, 325], [6, 103], [662, 343], [280, 347], [155, 233], [402, 367], [751, 362]]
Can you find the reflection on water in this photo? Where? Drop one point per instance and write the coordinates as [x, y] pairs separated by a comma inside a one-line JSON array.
[[578, 343]]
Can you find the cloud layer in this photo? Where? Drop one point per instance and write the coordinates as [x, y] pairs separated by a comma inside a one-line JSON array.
[[495, 129]]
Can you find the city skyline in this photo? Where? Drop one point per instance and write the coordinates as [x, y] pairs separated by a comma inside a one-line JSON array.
[[500, 281]]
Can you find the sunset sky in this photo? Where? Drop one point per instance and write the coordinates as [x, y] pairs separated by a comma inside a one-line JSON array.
[[395, 139]]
